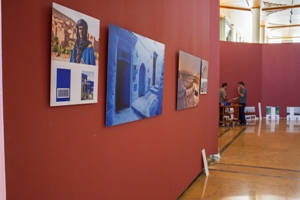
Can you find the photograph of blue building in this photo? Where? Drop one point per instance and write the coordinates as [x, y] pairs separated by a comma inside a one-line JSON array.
[[135, 77], [87, 85]]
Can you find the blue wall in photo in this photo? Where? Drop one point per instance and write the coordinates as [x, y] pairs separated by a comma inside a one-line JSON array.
[[135, 77]]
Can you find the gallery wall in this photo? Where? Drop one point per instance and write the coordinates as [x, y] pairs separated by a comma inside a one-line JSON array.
[[269, 71], [67, 152], [280, 76], [241, 62]]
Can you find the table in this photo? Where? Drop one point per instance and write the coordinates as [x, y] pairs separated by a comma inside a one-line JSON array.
[[226, 114]]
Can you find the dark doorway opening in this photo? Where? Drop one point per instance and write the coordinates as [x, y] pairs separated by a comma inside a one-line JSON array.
[[122, 85], [154, 68], [142, 81]]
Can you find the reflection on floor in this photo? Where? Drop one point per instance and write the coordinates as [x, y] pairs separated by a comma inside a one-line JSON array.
[[257, 162]]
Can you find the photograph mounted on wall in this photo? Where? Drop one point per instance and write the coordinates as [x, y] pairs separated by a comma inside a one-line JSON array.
[[135, 77], [74, 57], [188, 82], [87, 85], [204, 77]]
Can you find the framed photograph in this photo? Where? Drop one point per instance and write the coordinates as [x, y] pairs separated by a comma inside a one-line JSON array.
[[135, 77], [272, 113], [204, 77], [293, 113], [188, 82], [249, 109], [74, 57]]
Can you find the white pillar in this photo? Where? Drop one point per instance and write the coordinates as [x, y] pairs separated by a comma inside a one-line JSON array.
[[259, 111], [222, 28], [263, 34], [255, 24], [233, 34]]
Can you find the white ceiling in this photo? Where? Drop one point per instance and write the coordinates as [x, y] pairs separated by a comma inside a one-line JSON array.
[[242, 19]]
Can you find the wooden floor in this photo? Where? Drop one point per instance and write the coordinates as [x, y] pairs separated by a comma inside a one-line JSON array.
[[258, 162]]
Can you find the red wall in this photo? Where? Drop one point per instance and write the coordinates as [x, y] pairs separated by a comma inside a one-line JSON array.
[[67, 152], [241, 62], [280, 76], [270, 73]]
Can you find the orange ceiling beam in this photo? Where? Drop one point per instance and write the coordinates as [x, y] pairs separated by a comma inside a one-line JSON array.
[[281, 7], [286, 37], [235, 8], [284, 26]]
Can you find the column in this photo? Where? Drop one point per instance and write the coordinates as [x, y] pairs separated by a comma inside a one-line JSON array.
[[222, 28], [255, 24], [233, 34], [266, 40], [263, 34]]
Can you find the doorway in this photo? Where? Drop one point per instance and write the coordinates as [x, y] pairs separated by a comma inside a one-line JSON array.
[[122, 85], [142, 80], [154, 68]]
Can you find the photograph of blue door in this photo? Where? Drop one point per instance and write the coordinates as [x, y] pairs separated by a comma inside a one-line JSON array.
[[134, 77]]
